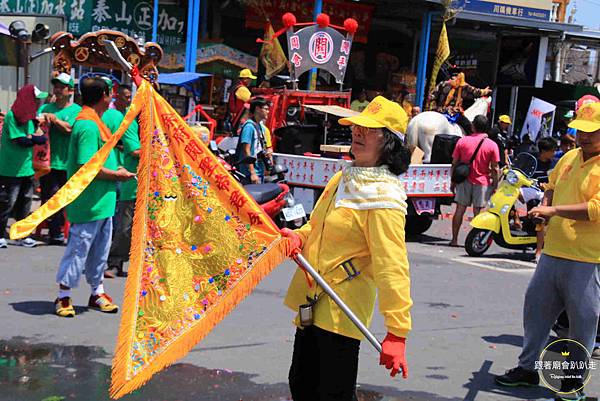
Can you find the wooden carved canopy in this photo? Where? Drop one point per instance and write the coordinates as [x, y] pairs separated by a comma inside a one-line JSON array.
[[89, 51]]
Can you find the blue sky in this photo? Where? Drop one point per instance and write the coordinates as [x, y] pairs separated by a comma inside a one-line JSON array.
[[588, 13]]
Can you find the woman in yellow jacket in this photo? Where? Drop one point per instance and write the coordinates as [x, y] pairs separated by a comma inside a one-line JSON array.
[[355, 240]]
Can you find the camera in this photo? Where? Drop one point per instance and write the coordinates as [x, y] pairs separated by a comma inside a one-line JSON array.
[[267, 161]]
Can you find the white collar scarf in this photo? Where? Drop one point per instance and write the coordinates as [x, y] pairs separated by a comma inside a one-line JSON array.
[[365, 188]]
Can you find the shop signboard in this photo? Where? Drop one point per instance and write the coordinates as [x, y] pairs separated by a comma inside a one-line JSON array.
[[338, 11], [317, 47], [133, 18], [530, 9]]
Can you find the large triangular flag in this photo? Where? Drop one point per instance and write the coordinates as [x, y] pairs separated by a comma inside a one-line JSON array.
[[200, 243]]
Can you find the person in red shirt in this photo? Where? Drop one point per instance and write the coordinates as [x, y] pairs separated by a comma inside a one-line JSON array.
[[477, 189], [238, 97]]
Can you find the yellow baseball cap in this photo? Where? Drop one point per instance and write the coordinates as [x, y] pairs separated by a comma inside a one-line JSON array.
[[246, 73], [380, 113], [588, 118], [505, 119]]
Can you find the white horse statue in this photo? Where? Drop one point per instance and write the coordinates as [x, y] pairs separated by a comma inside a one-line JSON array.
[[423, 128]]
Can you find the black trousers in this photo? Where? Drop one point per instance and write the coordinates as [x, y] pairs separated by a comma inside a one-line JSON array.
[[16, 194], [121, 240], [324, 366], [50, 184]]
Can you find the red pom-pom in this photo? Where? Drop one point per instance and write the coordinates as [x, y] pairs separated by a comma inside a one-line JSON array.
[[289, 20], [351, 25], [323, 20]]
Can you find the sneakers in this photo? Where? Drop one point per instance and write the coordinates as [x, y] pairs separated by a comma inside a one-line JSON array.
[[103, 303], [595, 353], [108, 273], [571, 390], [27, 242], [64, 307], [59, 240], [3, 243], [519, 377]]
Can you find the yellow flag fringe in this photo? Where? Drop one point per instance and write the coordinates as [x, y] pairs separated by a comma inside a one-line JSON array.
[[123, 382], [82, 178]]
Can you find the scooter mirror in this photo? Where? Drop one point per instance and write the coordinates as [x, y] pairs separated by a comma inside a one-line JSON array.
[[525, 163]]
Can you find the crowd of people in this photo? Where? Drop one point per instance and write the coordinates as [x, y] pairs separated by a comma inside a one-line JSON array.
[[100, 219], [492, 149]]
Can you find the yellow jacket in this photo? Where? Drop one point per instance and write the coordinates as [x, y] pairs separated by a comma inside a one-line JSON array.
[[575, 181], [374, 241]]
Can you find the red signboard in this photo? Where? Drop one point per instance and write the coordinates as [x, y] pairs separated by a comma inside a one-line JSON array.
[[338, 11]]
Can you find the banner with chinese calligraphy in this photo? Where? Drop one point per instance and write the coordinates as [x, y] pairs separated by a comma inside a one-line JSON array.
[[317, 47], [200, 243], [315, 172], [338, 11]]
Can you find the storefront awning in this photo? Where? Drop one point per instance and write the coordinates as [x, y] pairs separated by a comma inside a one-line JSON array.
[[586, 37], [184, 79], [181, 78]]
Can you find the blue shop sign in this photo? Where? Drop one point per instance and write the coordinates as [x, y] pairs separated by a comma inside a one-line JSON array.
[[531, 9]]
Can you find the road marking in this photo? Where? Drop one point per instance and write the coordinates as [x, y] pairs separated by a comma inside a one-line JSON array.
[[465, 261], [530, 265]]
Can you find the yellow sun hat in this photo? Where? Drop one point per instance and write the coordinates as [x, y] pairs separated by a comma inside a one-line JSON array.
[[505, 119], [380, 113], [588, 118], [246, 73]]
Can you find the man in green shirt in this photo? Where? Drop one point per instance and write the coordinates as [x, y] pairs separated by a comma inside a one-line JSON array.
[[91, 213], [60, 115], [119, 251], [19, 134]]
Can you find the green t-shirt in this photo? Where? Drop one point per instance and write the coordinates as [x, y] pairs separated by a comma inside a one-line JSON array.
[[15, 160], [131, 143], [59, 141], [113, 119], [99, 199]]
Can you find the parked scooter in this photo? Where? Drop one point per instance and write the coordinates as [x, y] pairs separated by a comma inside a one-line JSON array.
[[274, 196], [495, 223]]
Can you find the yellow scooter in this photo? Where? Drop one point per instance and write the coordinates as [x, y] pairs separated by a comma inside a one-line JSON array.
[[494, 224]]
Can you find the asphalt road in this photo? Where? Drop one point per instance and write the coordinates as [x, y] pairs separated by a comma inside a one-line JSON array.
[[467, 327]]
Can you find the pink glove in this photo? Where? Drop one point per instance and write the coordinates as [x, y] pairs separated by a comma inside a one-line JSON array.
[[293, 239], [392, 355]]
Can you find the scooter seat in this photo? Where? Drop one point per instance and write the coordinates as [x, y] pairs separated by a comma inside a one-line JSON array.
[[520, 233], [262, 193]]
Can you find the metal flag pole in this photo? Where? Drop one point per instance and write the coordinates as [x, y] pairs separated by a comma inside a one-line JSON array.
[[298, 258]]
